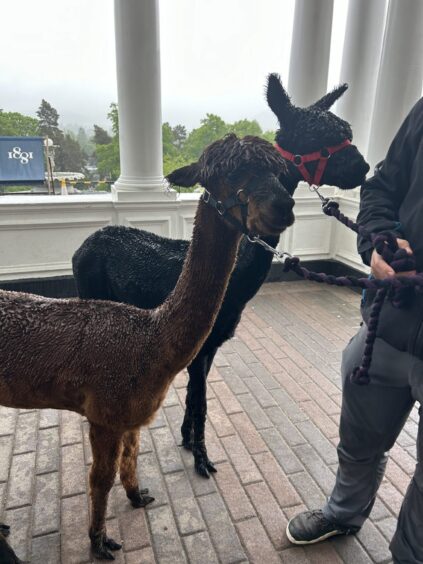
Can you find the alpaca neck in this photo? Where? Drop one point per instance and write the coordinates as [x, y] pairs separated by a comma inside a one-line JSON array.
[[187, 316], [252, 266]]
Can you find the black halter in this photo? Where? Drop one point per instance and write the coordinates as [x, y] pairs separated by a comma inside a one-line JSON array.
[[240, 199]]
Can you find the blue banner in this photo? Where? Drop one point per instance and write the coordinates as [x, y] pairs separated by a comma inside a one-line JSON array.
[[21, 160]]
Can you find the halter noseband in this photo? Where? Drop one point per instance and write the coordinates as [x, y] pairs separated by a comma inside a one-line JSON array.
[[241, 199], [322, 156]]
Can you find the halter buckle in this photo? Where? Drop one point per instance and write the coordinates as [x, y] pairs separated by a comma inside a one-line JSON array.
[[220, 208], [325, 153], [206, 196], [245, 199], [297, 160]]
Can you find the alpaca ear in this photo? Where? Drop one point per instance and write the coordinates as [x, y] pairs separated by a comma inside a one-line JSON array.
[[185, 176], [278, 99], [330, 98]]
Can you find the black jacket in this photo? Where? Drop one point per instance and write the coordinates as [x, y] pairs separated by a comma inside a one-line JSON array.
[[392, 200]]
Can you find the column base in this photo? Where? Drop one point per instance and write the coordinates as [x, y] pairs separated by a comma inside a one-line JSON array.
[[154, 189]]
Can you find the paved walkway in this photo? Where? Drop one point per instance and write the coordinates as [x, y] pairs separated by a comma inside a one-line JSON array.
[[274, 403]]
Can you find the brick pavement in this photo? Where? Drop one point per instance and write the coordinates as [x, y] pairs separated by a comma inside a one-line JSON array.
[[274, 402]]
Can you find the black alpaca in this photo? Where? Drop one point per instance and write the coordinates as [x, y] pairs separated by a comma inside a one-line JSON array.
[[133, 266], [7, 554]]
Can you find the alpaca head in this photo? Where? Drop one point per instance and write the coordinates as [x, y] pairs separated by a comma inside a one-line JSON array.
[[306, 130], [244, 171]]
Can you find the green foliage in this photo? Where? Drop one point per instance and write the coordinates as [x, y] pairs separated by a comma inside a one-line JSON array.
[[169, 149], [171, 163], [6, 189], [212, 128], [69, 155], [15, 124], [107, 147], [101, 137], [49, 122], [245, 127], [108, 163], [87, 146], [269, 136], [103, 187], [113, 116]]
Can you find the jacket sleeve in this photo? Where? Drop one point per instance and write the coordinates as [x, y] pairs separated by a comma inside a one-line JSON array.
[[382, 195]]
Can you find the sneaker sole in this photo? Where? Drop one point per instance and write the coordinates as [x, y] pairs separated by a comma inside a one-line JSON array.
[[319, 539]]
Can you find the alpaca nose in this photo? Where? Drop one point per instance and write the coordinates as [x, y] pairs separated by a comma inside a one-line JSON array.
[[284, 205], [291, 203], [282, 210]]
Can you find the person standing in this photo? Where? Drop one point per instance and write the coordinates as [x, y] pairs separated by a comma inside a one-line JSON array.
[[372, 416]]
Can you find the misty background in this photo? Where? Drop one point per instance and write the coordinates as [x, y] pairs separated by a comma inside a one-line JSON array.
[[215, 57]]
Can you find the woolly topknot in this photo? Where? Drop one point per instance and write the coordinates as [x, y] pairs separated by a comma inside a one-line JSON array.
[[230, 155]]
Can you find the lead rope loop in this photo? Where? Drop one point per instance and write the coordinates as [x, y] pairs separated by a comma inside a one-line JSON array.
[[398, 289]]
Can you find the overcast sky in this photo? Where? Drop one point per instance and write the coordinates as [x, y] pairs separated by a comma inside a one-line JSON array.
[[215, 56]]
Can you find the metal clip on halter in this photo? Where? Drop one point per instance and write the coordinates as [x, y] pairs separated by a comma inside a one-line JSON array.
[[280, 256], [315, 189], [206, 196]]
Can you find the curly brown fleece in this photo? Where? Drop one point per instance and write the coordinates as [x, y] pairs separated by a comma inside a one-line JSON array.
[[113, 363]]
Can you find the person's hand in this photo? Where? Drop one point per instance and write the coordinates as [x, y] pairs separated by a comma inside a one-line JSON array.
[[381, 269]]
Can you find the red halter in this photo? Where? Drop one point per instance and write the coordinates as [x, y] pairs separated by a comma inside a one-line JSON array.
[[322, 156]]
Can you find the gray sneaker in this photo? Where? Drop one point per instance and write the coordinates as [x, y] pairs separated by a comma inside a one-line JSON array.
[[312, 526]]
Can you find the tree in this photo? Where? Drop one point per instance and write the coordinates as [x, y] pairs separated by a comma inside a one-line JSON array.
[[101, 137], [245, 127], [87, 146], [269, 136], [15, 124], [108, 159], [179, 136], [113, 116], [49, 122], [212, 128], [70, 157], [108, 162], [169, 149]]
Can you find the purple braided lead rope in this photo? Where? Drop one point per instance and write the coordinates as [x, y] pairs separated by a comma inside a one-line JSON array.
[[396, 288], [398, 282], [360, 374]]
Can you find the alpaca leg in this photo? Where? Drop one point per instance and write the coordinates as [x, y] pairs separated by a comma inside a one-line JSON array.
[[128, 470], [106, 447], [198, 376], [187, 424], [7, 555]]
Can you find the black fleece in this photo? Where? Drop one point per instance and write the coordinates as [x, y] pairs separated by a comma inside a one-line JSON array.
[[392, 200]]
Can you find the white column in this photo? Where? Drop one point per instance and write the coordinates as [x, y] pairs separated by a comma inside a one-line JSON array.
[[310, 48], [399, 83], [139, 100], [360, 64]]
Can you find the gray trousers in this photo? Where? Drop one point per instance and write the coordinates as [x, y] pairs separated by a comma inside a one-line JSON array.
[[371, 419]]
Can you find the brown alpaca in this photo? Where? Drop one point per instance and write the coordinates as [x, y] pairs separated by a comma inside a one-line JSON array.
[[113, 363]]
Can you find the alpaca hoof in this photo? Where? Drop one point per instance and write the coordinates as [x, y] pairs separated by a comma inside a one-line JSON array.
[[101, 546], [7, 554], [4, 530], [140, 499], [204, 466], [111, 544]]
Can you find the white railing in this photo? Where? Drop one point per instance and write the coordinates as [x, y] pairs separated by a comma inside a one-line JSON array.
[[39, 234]]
